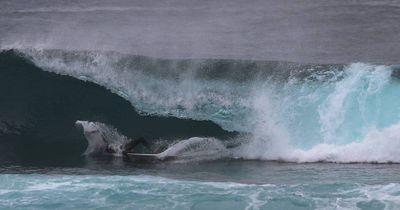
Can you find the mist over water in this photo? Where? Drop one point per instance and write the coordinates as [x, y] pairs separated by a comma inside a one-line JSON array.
[[303, 31]]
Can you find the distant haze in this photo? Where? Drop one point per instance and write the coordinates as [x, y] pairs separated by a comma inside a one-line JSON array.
[[309, 31]]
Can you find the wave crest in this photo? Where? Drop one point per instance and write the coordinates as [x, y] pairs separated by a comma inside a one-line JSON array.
[[304, 113]]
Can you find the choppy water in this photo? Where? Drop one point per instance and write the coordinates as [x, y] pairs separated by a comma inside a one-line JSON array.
[[220, 184]]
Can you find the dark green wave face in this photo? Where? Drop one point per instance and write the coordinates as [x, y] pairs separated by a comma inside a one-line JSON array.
[[38, 110], [285, 111]]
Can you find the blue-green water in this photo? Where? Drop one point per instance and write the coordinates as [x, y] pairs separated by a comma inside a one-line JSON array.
[[213, 185], [149, 192], [306, 118]]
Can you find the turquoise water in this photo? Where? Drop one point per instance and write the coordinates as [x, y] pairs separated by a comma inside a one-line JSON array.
[[150, 192], [212, 185]]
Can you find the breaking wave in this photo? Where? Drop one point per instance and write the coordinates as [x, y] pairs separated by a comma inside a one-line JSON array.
[[290, 112]]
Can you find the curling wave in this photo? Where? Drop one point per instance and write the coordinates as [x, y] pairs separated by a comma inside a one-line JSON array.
[[38, 110], [293, 112]]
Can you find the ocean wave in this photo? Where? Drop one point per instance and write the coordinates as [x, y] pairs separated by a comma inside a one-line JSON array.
[[39, 109], [291, 112]]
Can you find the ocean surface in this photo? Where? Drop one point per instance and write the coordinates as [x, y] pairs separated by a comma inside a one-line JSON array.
[[262, 105], [216, 185]]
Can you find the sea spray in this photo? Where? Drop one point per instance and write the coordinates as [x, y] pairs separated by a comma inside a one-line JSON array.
[[286, 114]]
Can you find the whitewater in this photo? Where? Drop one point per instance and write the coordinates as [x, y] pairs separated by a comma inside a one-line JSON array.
[[309, 113], [148, 192]]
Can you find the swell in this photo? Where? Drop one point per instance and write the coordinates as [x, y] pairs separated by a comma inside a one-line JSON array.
[[38, 110], [293, 112]]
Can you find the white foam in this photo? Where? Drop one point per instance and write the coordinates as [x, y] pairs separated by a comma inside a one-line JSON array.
[[101, 136], [360, 81], [349, 124], [378, 146], [142, 191], [196, 149]]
